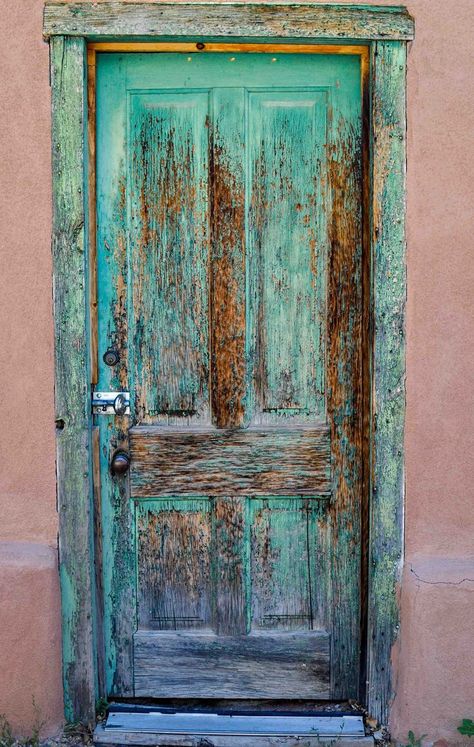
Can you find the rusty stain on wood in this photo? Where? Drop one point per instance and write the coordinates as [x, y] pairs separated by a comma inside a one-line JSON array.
[[91, 218], [227, 269], [169, 255]]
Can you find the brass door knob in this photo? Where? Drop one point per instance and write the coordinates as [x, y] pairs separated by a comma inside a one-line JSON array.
[[120, 463]]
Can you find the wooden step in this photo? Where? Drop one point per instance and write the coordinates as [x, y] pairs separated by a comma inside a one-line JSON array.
[[199, 729]]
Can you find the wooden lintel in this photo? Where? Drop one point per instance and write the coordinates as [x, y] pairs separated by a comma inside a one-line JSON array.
[[145, 20]]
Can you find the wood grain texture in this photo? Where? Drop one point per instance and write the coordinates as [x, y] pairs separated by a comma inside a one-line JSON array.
[[230, 551], [284, 575], [174, 556], [286, 251], [344, 382], [113, 331], [262, 666], [227, 282], [229, 462], [153, 739], [168, 228], [72, 376], [389, 272], [230, 47], [229, 20]]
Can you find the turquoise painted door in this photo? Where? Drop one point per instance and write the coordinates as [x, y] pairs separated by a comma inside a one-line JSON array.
[[230, 293]]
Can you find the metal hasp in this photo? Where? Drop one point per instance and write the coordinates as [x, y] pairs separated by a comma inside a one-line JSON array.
[[111, 403]]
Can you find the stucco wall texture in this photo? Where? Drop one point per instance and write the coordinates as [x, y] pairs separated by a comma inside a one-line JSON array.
[[433, 660]]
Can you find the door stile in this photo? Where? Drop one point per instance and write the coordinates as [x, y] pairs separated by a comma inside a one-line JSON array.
[[112, 319], [227, 262], [227, 340], [388, 210], [344, 394], [72, 374]]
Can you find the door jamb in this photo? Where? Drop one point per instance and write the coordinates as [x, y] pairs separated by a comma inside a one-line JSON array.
[[386, 30]]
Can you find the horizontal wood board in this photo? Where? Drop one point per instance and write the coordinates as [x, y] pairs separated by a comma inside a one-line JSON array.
[[121, 737], [229, 462], [195, 722], [255, 666], [227, 20]]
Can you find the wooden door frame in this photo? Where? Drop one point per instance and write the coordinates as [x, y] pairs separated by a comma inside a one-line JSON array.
[[385, 30]]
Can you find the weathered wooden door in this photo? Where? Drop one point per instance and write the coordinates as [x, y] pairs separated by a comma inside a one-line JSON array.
[[229, 248]]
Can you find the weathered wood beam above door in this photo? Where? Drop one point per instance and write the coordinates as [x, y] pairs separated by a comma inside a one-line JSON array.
[[225, 20]]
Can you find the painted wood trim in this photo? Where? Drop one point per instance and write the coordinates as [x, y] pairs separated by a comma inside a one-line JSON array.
[[72, 374], [267, 47], [388, 403], [96, 20]]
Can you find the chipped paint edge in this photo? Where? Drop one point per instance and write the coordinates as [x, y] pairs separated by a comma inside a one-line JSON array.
[[72, 374]]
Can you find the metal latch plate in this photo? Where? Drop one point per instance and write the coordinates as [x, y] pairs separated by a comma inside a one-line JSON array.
[[111, 403]]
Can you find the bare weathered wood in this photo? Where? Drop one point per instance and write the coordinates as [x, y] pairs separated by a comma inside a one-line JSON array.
[[151, 739], [72, 372], [229, 571], [227, 20], [227, 285], [270, 665], [229, 462], [284, 576], [98, 563], [174, 555], [344, 377], [389, 273]]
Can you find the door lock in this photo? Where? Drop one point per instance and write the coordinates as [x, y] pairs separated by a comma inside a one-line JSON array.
[[120, 463], [111, 403]]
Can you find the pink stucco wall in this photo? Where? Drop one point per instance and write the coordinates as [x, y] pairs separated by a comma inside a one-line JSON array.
[[433, 660]]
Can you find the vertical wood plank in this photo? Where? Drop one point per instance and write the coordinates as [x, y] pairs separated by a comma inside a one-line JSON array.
[[72, 370], [98, 563], [344, 384], [389, 288], [91, 209], [230, 566], [227, 292], [118, 574]]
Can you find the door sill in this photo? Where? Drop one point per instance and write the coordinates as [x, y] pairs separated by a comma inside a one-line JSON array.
[[204, 729]]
